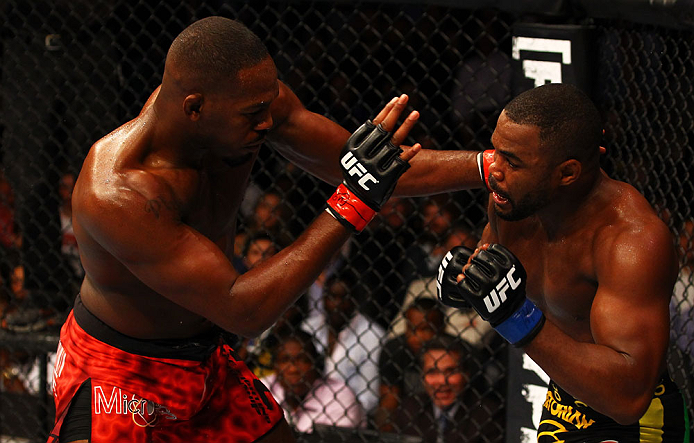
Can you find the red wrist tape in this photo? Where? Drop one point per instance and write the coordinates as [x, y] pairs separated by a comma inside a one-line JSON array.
[[351, 208]]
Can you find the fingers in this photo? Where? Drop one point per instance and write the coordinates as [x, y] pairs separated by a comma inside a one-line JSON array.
[[405, 128], [461, 276], [385, 111], [408, 152], [389, 115]]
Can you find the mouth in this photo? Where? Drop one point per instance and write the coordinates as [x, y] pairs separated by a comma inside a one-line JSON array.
[[499, 199]]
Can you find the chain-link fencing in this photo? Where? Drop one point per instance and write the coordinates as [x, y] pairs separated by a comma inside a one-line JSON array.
[[74, 70]]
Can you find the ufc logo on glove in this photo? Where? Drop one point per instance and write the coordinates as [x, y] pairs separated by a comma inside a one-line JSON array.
[[353, 167], [498, 295]]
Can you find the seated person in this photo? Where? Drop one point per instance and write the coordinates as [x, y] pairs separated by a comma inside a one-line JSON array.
[[350, 341], [307, 396], [451, 409], [464, 323], [397, 365]]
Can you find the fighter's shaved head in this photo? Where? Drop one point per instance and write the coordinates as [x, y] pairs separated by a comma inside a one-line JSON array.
[[212, 51], [570, 124]]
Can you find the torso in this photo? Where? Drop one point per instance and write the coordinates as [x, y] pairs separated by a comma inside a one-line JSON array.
[[562, 278], [207, 199]]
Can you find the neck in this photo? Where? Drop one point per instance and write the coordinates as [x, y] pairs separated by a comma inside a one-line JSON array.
[[171, 142], [568, 208]]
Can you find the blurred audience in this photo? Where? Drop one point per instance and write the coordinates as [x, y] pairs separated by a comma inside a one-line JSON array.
[[398, 368], [682, 302], [307, 396], [350, 341], [451, 409], [257, 247], [9, 236], [68, 242], [464, 323]]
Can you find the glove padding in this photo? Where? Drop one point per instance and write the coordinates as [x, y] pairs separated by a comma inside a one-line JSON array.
[[371, 166], [494, 285], [446, 281], [484, 159]]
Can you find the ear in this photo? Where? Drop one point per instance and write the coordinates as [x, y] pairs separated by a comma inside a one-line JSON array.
[[192, 106], [569, 172]]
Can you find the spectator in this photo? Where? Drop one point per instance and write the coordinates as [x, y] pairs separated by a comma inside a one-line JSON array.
[[257, 247], [258, 351], [464, 323], [350, 341], [682, 328], [451, 410], [398, 368], [306, 395]]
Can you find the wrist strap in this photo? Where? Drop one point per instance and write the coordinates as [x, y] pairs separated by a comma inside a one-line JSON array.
[[521, 327], [350, 208]]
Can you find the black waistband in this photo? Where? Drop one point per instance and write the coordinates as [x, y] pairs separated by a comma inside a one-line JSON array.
[[196, 348]]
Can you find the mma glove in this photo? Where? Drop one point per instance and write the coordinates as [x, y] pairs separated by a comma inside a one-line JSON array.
[[494, 285], [371, 166], [484, 159]]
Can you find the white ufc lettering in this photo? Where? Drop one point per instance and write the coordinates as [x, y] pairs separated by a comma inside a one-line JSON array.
[[498, 294], [353, 167]]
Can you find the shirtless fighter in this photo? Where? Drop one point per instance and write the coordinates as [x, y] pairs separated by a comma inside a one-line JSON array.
[[142, 357], [583, 279]]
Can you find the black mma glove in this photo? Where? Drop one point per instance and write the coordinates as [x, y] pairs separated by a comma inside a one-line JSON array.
[[494, 285], [371, 166], [446, 280]]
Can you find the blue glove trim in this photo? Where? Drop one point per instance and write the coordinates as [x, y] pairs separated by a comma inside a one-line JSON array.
[[521, 324]]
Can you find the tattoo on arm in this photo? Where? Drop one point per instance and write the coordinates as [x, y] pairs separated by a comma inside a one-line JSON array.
[[156, 205]]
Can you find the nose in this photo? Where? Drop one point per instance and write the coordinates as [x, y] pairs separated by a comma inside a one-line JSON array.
[[495, 170]]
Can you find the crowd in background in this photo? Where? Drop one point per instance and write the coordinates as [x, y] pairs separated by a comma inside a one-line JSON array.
[[367, 346]]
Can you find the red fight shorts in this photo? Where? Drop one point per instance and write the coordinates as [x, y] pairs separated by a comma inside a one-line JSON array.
[[152, 391]]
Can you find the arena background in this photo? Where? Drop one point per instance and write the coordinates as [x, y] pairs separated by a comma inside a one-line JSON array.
[[72, 70]]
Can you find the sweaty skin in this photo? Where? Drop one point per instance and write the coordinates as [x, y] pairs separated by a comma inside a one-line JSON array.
[[155, 215], [601, 266]]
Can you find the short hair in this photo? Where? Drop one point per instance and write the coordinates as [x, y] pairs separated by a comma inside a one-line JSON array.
[[215, 47], [570, 124], [448, 343]]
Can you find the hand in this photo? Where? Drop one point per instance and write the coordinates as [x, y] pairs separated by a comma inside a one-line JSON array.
[[493, 282], [372, 162], [446, 280]]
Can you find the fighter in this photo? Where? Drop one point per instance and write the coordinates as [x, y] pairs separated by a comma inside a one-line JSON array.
[[143, 356], [577, 269]]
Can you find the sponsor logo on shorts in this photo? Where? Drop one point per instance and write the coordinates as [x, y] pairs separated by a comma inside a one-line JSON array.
[[144, 412]]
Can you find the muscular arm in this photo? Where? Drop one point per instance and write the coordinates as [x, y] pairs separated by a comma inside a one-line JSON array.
[[617, 374], [184, 266], [314, 142]]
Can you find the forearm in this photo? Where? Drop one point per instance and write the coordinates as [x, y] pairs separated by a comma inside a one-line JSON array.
[[435, 172], [262, 294], [606, 380]]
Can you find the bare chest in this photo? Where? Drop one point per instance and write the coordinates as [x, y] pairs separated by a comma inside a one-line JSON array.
[[561, 279], [213, 206]]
